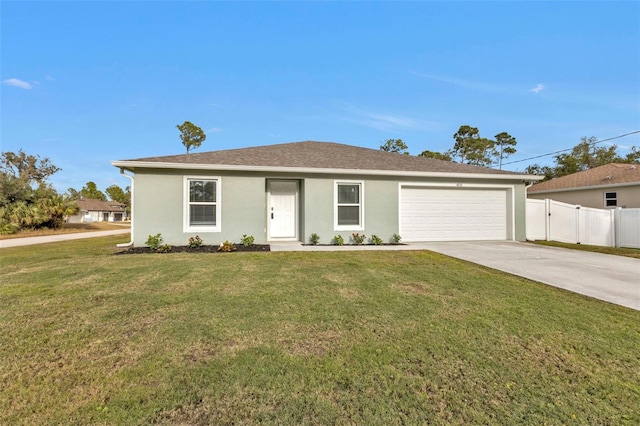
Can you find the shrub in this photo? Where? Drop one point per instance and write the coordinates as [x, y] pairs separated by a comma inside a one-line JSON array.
[[226, 246], [338, 240], [247, 240], [195, 242], [314, 239], [396, 238], [154, 241], [358, 239], [375, 240], [165, 248]]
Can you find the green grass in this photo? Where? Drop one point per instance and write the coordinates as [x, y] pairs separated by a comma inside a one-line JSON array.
[[618, 251], [302, 338]]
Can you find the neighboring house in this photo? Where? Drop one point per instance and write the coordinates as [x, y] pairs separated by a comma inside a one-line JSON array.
[[609, 186], [288, 191], [99, 211]]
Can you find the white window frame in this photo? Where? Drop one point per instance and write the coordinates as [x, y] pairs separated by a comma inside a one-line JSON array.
[[336, 226], [187, 227], [606, 199]]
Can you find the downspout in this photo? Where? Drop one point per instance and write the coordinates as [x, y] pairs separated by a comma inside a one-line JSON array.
[[130, 243]]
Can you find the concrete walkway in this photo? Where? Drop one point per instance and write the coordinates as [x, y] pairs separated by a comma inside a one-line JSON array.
[[28, 241], [614, 279]]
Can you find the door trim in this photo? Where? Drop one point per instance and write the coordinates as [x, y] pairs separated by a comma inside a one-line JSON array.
[[296, 225]]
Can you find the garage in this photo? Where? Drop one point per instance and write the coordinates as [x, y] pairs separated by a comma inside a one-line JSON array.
[[453, 214]]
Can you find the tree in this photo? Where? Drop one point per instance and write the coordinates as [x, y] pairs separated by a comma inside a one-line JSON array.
[[505, 144], [116, 194], [395, 145], [191, 135], [470, 148], [584, 156], [90, 190], [26, 200], [19, 173], [436, 155]]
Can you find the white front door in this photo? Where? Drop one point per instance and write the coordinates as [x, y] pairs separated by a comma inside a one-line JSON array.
[[282, 210]]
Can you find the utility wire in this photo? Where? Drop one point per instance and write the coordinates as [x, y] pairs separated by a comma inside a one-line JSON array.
[[569, 149]]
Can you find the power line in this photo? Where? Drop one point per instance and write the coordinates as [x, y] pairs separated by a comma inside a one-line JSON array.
[[569, 149]]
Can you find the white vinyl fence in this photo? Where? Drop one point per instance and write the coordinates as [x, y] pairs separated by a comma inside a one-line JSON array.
[[568, 223]]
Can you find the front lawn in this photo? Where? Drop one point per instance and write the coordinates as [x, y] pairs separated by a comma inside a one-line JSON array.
[[302, 338]]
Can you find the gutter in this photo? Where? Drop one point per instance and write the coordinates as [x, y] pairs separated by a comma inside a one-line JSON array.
[[275, 169], [130, 243]]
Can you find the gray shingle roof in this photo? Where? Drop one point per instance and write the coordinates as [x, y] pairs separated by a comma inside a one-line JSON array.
[[320, 155], [609, 174]]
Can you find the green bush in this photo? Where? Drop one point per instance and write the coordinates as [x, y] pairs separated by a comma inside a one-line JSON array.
[[226, 246], [396, 239], [154, 241], [338, 240], [195, 242], [247, 240], [375, 240], [358, 239], [165, 248], [314, 239]]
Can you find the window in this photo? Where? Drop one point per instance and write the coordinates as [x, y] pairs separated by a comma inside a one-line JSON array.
[[348, 198], [610, 199], [202, 210]]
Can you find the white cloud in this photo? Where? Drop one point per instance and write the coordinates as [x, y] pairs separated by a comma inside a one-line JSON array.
[[49, 78], [17, 83], [214, 130], [539, 88]]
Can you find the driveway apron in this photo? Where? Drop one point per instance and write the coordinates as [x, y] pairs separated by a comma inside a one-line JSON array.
[[615, 279]]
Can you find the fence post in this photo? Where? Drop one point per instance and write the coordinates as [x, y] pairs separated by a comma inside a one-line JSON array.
[[547, 219], [578, 224], [616, 226]]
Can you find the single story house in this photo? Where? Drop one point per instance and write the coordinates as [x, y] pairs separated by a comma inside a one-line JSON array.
[[98, 211], [286, 192], [609, 186]]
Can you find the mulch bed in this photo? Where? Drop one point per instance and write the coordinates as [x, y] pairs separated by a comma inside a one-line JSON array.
[[201, 249]]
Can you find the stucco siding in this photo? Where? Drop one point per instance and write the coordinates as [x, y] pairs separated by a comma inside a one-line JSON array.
[[159, 205], [159, 208], [380, 208], [628, 196]]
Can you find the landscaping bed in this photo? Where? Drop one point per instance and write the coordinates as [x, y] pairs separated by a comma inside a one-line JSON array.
[[201, 249]]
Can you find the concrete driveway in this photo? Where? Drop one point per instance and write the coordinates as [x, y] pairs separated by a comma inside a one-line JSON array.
[[614, 279]]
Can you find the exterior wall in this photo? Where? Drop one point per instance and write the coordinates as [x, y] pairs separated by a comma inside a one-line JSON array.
[[159, 208], [628, 196], [380, 209], [159, 205]]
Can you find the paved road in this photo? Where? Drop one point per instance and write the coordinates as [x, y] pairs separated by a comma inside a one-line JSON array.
[[18, 242], [614, 279]]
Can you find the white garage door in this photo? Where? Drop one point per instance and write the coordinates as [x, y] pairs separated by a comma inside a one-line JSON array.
[[447, 214]]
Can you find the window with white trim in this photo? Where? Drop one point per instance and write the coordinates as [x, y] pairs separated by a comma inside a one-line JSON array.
[[610, 199], [202, 204], [348, 197]]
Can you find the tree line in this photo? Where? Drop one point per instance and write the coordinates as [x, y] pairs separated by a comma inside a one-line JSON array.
[[471, 148], [28, 201]]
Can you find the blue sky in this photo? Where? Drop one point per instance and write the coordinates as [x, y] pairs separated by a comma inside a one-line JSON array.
[[84, 83]]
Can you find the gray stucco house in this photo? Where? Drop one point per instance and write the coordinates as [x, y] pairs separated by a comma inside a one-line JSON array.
[[287, 191], [604, 187]]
